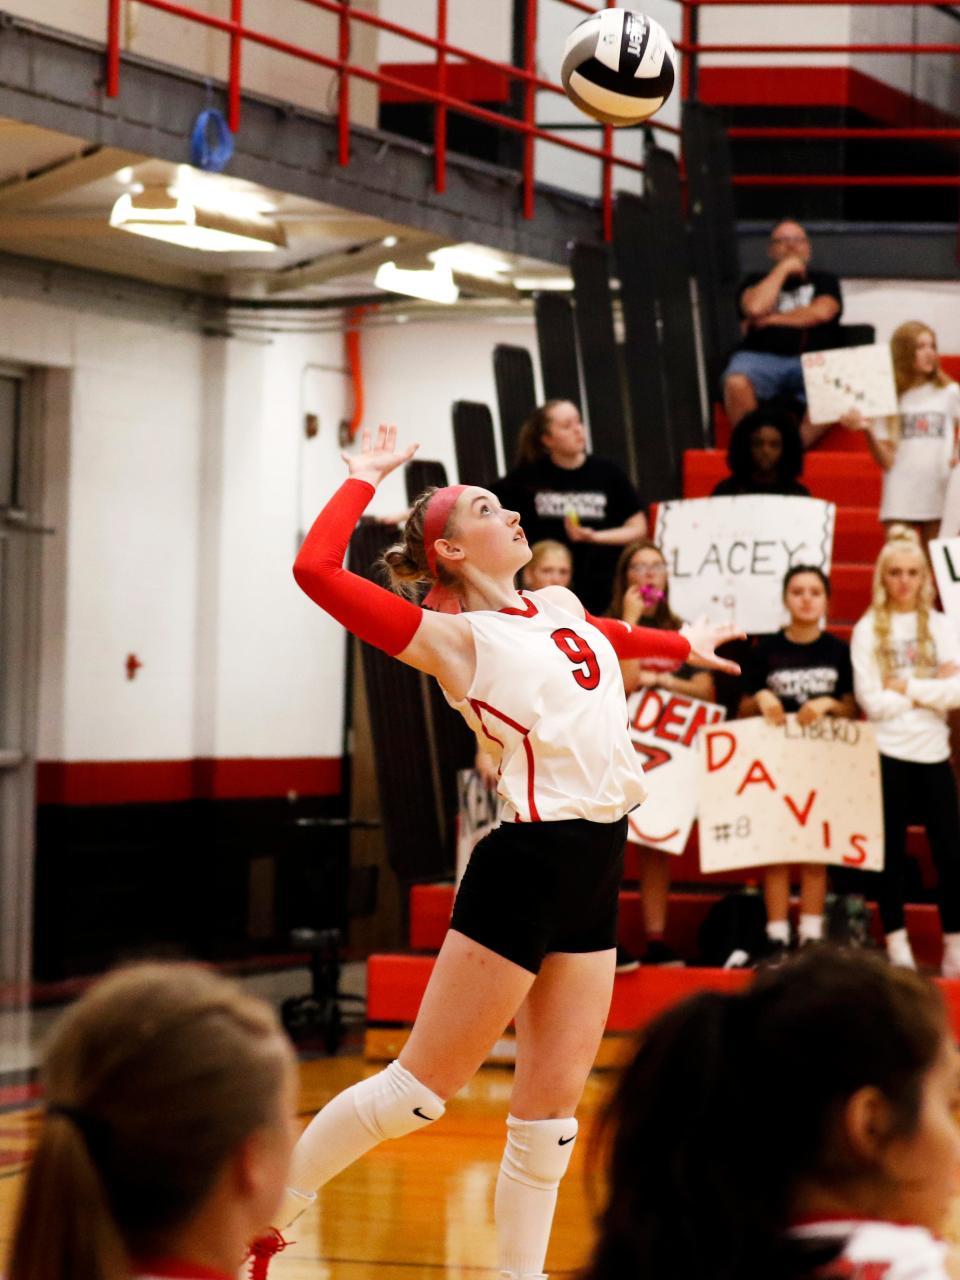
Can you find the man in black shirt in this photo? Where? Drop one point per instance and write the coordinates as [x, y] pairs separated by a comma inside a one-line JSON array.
[[787, 311], [570, 496]]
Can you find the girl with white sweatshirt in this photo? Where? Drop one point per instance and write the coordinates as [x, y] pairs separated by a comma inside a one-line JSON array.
[[906, 670]]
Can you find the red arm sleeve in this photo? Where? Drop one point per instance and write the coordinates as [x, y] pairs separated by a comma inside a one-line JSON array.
[[664, 650], [369, 611]]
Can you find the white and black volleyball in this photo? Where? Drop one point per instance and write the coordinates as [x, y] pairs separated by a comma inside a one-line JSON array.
[[618, 66]]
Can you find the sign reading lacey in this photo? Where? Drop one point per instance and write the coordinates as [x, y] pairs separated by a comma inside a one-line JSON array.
[[728, 556], [771, 794]]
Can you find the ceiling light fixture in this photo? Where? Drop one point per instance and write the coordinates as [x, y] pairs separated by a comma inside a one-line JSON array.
[[471, 260], [432, 286], [158, 214]]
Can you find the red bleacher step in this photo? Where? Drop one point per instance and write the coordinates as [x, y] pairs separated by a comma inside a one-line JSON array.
[[848, 479], [395, 987], [430, 907]]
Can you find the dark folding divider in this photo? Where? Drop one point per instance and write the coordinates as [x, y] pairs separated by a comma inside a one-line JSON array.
[[516, 394], [713, 235], [474, 443], [672, 268], [635, 247], [557, 341], [600, 358], [420, 474], [403, 746]]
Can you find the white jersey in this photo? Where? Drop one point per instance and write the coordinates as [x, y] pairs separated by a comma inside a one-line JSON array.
[[915, 486], [547, 701], [878, 1251]]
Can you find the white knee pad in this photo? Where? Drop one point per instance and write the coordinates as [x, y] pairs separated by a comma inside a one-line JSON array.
[[538, 1151], [394, 1103]]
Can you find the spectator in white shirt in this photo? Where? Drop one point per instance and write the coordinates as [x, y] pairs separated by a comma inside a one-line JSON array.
[[906, 672]]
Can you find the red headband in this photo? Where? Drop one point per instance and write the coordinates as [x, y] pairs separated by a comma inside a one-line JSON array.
[[441, 503]]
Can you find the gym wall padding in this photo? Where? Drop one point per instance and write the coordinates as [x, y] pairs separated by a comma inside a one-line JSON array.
[[557, 343], [658, 474], [474, 443], [516, 394], [599, 355], [420, 474], [672, 272], [713, 235]]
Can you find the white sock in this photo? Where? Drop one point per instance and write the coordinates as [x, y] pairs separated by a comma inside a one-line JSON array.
[[899, 951], [779, 931], [951, 955], [388, 1105], [810, 928], [535, 1158]]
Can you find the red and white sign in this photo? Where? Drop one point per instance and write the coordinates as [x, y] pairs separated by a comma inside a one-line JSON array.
[[772, 794], [664, 728]]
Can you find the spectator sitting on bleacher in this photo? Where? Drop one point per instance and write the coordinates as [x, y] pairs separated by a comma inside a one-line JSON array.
[[641, 597], [916, 448], [906, 669], [568, 495], [800, 669], [787, 311], [764, 456]]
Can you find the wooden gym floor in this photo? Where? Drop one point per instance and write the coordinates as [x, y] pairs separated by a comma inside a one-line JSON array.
[[417, 1209]]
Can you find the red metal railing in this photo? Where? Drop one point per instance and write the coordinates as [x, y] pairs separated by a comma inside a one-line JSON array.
[[444, 102], [693, 49]]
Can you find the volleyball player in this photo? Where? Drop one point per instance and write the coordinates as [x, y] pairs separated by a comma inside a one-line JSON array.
[[533, 932]]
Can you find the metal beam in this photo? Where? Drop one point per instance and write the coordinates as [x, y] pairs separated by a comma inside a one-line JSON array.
[[54, 80], [67, 175]]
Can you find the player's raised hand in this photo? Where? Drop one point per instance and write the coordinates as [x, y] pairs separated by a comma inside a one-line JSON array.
[[705, 638], [378, 456]]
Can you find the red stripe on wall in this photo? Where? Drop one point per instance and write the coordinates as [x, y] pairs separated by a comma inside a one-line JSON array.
[[164, 781], [817, 87], [465, 80]]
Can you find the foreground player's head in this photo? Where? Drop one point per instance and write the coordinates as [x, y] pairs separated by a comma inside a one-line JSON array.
[[824, 1090], [451, 536], [169, 1127]]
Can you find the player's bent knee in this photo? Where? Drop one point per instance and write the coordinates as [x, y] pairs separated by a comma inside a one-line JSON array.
[[394, 1103], [538, 1151]]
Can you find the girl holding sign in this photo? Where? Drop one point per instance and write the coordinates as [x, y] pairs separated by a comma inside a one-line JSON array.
[[917, 448], [533, 931], [641, 595], [803, 1129], [906, 667], [801, 669]]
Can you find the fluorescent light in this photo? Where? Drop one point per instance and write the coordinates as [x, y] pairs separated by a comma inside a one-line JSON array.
[[471, 260], [160, 215], [388, 241], [543, 283], [433, 286]]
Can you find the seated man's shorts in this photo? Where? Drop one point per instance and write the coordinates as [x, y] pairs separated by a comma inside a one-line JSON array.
[[770, 376], [532, 888]]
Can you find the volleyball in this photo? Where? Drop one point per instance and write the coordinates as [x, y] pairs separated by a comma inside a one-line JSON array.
[[618, 66]]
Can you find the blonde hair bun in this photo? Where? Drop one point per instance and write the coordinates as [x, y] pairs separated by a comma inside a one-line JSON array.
[[903, 533]]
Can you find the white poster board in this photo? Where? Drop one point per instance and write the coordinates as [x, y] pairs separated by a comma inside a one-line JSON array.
[[663, 728], [727, 556], [773, 794], [945, 558], [478, 812], [849, 378]]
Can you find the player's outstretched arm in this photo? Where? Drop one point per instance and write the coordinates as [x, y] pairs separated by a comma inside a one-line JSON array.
[[705, 638], [439, 644]]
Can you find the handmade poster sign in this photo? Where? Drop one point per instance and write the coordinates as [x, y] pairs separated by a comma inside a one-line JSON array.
[[664, 728], [727, 556], [773, 794], [849, 378], [945, 558], [478, 811]]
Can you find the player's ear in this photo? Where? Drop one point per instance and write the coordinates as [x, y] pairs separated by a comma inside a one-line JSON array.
[[866, 1123], [449, 550]]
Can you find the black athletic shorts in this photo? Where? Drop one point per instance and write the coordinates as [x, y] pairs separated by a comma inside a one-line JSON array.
[[535, 887]]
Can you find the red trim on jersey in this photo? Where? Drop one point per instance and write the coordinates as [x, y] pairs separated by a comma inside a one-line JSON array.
[[529, 610], [531, 763], [477, 712]]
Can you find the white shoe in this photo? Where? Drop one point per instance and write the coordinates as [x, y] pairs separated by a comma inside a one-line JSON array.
[[951, 963], [899, 951]]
